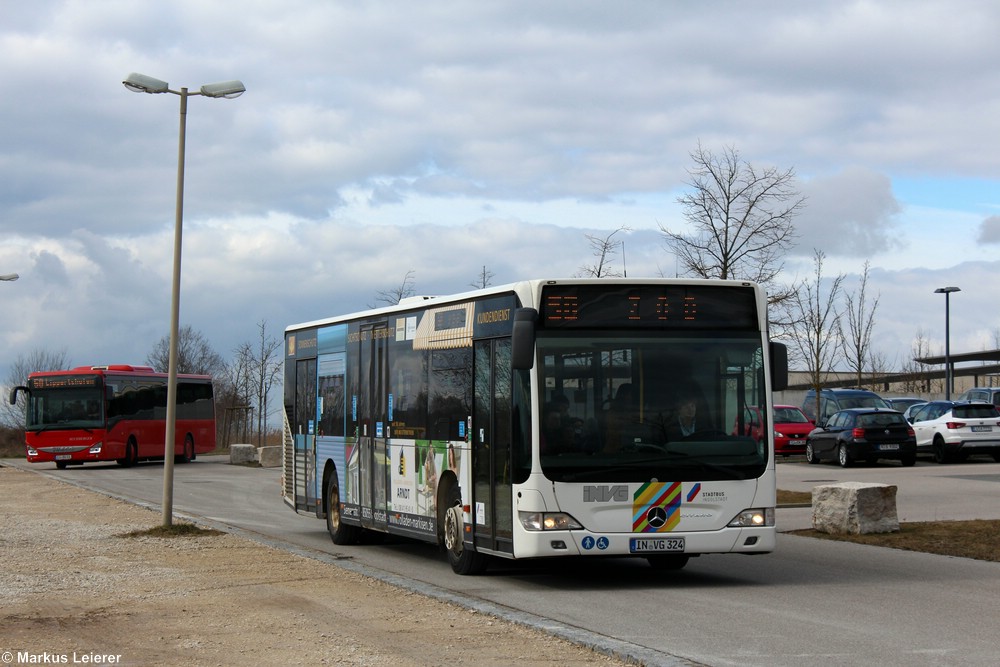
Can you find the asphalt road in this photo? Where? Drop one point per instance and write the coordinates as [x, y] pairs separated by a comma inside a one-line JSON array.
[[811, 602]]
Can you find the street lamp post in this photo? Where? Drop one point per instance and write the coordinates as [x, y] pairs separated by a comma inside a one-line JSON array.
[[140, 83], [948, 371]]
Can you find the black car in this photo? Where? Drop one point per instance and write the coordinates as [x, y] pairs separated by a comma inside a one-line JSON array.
[[833, 400], [863, 434]]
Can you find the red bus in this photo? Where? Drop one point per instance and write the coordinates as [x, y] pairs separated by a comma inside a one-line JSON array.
[[114, 413]]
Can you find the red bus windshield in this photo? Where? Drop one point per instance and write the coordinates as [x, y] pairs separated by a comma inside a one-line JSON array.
[[65, 402]]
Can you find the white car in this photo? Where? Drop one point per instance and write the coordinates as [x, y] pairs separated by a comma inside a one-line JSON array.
[[953, 430], [909, 412]]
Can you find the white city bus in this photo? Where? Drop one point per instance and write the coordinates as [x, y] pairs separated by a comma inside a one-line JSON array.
[[541, 419]]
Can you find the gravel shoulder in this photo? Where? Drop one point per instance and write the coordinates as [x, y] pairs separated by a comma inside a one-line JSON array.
[[75, 590]]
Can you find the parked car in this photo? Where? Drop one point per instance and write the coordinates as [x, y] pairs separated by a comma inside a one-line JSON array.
[[984, 394], [866, 434], [789, 423], [901, 403], [909, 412], [954, 430], [834, 400]]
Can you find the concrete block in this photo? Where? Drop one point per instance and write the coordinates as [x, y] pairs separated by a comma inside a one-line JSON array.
[[855, 508], [242, 454], [269, 457]]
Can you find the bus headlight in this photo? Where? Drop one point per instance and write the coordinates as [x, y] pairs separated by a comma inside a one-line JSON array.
[[548, 521], [96, 449], [753, 518], [32, 451]]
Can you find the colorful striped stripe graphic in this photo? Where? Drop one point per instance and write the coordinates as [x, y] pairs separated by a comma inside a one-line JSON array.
[[695, 490], [656, 494]]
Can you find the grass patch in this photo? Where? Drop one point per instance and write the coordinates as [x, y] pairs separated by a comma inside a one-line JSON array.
[[794, 497], [979, 538], [175, 530]]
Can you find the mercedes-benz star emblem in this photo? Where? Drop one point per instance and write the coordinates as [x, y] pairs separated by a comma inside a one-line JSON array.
[[656, 516]]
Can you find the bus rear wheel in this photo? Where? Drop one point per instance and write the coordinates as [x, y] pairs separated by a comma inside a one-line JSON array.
[[340, 532], [463, 561], [188, 454]]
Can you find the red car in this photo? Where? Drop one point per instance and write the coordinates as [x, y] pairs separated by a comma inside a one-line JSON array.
[[790, 425]]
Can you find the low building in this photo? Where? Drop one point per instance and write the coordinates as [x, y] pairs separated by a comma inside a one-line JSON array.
[[971, 369]]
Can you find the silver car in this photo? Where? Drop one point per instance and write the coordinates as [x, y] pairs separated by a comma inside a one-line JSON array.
[[953, 430]]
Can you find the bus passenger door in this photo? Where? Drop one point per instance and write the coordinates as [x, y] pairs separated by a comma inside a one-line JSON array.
[[374, 455], [491, 441], [304, 434]]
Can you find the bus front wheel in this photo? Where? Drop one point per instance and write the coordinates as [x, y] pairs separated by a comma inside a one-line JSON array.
[[666, 562], [463, 561], [131, 454], [340, 532]]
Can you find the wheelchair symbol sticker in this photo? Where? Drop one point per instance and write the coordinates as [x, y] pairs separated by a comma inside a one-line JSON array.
[[589, 543]]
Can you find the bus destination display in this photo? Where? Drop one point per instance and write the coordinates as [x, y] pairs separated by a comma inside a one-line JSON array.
[[64, 381], [648, 306]]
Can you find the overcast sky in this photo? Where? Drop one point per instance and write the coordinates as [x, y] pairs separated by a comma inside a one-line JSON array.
[[441, 137]]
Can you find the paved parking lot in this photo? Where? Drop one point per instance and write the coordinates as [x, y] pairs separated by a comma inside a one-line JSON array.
[[926, 492]]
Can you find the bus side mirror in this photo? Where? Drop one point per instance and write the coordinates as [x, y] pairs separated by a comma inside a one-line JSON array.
[[779, 366], [13, 394], [522, 353]]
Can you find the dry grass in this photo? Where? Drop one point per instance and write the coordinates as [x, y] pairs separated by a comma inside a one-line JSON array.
[[794, 497], [978, 539], [174, 530]]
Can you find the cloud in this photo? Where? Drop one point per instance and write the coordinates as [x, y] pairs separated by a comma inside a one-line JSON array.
[[989, 230], [850, 213]]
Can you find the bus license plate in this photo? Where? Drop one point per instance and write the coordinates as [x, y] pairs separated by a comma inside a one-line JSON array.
[[982, 429], [647, 545], [63, 457]]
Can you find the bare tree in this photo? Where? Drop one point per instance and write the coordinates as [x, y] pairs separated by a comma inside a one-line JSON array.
[[17, 375], [194, 354], [815, 324], [266, 371], [919, 349], [879, 365], [484, 280], [391, 297], [605, 248], [860, 323], [742, 220], [250, 377], [233, 398]]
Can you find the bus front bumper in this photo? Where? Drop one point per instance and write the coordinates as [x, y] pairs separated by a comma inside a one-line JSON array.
[[746, 540]]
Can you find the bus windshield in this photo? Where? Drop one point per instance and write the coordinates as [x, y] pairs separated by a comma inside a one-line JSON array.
[[634, 406], [65, 408]]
